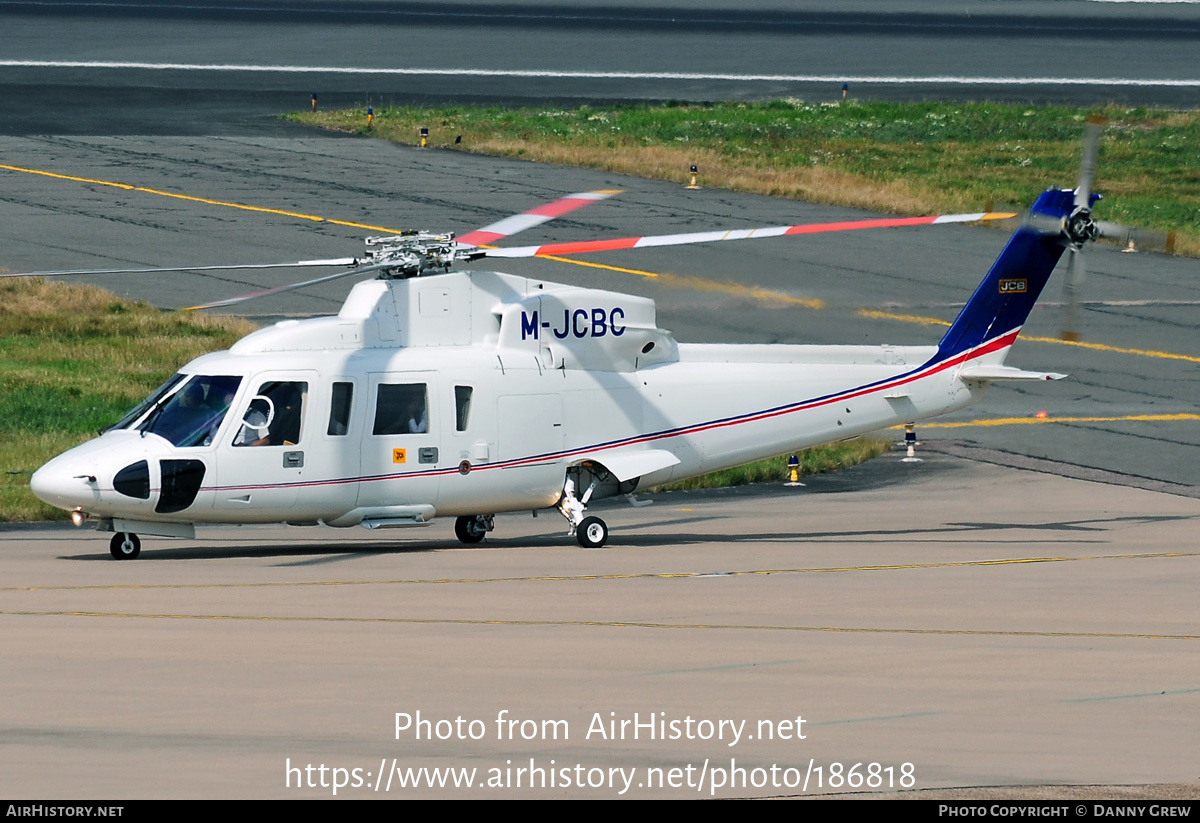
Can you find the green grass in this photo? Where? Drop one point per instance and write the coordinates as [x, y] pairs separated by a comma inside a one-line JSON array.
[[913, 158], [74, 359], [816, 460]]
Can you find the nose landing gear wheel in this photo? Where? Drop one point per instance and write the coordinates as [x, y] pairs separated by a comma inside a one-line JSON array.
[[592, 533], [125, 546]]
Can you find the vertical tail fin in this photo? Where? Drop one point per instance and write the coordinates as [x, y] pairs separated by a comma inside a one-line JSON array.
[[1004, 299]]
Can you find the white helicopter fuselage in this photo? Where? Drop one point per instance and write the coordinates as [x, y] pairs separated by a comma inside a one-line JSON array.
[[470, 393], [510, 404]]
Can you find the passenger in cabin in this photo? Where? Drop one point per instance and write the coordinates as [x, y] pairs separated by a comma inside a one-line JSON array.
[[289, 407], [401, 408], [417, 420]]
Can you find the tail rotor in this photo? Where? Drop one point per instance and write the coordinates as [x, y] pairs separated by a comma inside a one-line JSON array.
[[1081, 229]]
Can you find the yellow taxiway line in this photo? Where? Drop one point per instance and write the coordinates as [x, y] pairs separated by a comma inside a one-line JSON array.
[[193, 199], [1030, 421], [875, 314]]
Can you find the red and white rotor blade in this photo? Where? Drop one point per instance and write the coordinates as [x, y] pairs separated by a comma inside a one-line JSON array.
[[737, 234], [534, 217]]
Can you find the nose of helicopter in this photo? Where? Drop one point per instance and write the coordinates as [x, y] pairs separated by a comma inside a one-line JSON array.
[[64, 483]]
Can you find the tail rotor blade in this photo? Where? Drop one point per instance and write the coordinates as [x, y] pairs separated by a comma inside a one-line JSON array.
[[1134, 238], [1072, 290], [1087, 165], [1043, 223]]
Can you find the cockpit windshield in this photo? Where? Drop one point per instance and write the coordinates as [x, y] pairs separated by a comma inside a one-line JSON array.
[[187, 410], [154, 399]]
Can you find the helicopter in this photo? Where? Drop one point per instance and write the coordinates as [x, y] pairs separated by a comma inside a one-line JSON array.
[[463, 394]]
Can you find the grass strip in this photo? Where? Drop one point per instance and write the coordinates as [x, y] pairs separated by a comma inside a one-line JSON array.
[[816, 460]]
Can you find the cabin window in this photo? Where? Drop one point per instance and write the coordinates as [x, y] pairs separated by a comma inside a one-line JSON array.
[[462, 407], [339, 409], [401, 408], [274, 415]]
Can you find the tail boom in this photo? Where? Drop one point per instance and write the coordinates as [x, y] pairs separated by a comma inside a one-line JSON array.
[[1002, 302]]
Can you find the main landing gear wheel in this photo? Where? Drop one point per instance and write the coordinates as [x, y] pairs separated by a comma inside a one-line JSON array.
[[592, 533], [468, 529], [125, 546]]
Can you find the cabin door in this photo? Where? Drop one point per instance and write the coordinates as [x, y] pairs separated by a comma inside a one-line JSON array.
[[402, 453], [261, 461]]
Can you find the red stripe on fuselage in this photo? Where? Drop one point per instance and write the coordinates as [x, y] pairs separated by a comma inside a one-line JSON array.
[[988, 348]]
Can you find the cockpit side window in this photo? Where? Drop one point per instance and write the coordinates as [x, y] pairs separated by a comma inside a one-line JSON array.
[[274, 415], [193, 413]]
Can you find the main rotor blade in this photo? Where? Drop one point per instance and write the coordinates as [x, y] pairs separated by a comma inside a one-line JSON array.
[[242, 298], [736, 234], [534, 217], [298, 264]]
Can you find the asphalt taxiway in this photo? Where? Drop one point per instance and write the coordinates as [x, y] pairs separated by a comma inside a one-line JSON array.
[[985, 625]]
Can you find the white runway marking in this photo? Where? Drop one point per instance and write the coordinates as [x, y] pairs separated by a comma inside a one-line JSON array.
[[605, 75]]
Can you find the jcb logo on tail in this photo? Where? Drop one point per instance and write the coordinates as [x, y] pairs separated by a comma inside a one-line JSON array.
[[1016, 286], [576, 323]]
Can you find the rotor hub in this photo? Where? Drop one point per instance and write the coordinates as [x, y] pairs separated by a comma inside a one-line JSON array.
[[1080, 228], [411, 253]]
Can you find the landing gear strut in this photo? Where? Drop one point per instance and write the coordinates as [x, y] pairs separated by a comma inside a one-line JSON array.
[[470, 529], [589, 532], [125, 546]]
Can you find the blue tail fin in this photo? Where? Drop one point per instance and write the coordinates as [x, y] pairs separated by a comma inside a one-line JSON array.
[[1005, 297]]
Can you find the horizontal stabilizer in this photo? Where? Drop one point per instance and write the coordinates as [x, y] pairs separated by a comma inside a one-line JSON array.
[[984, 374]]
